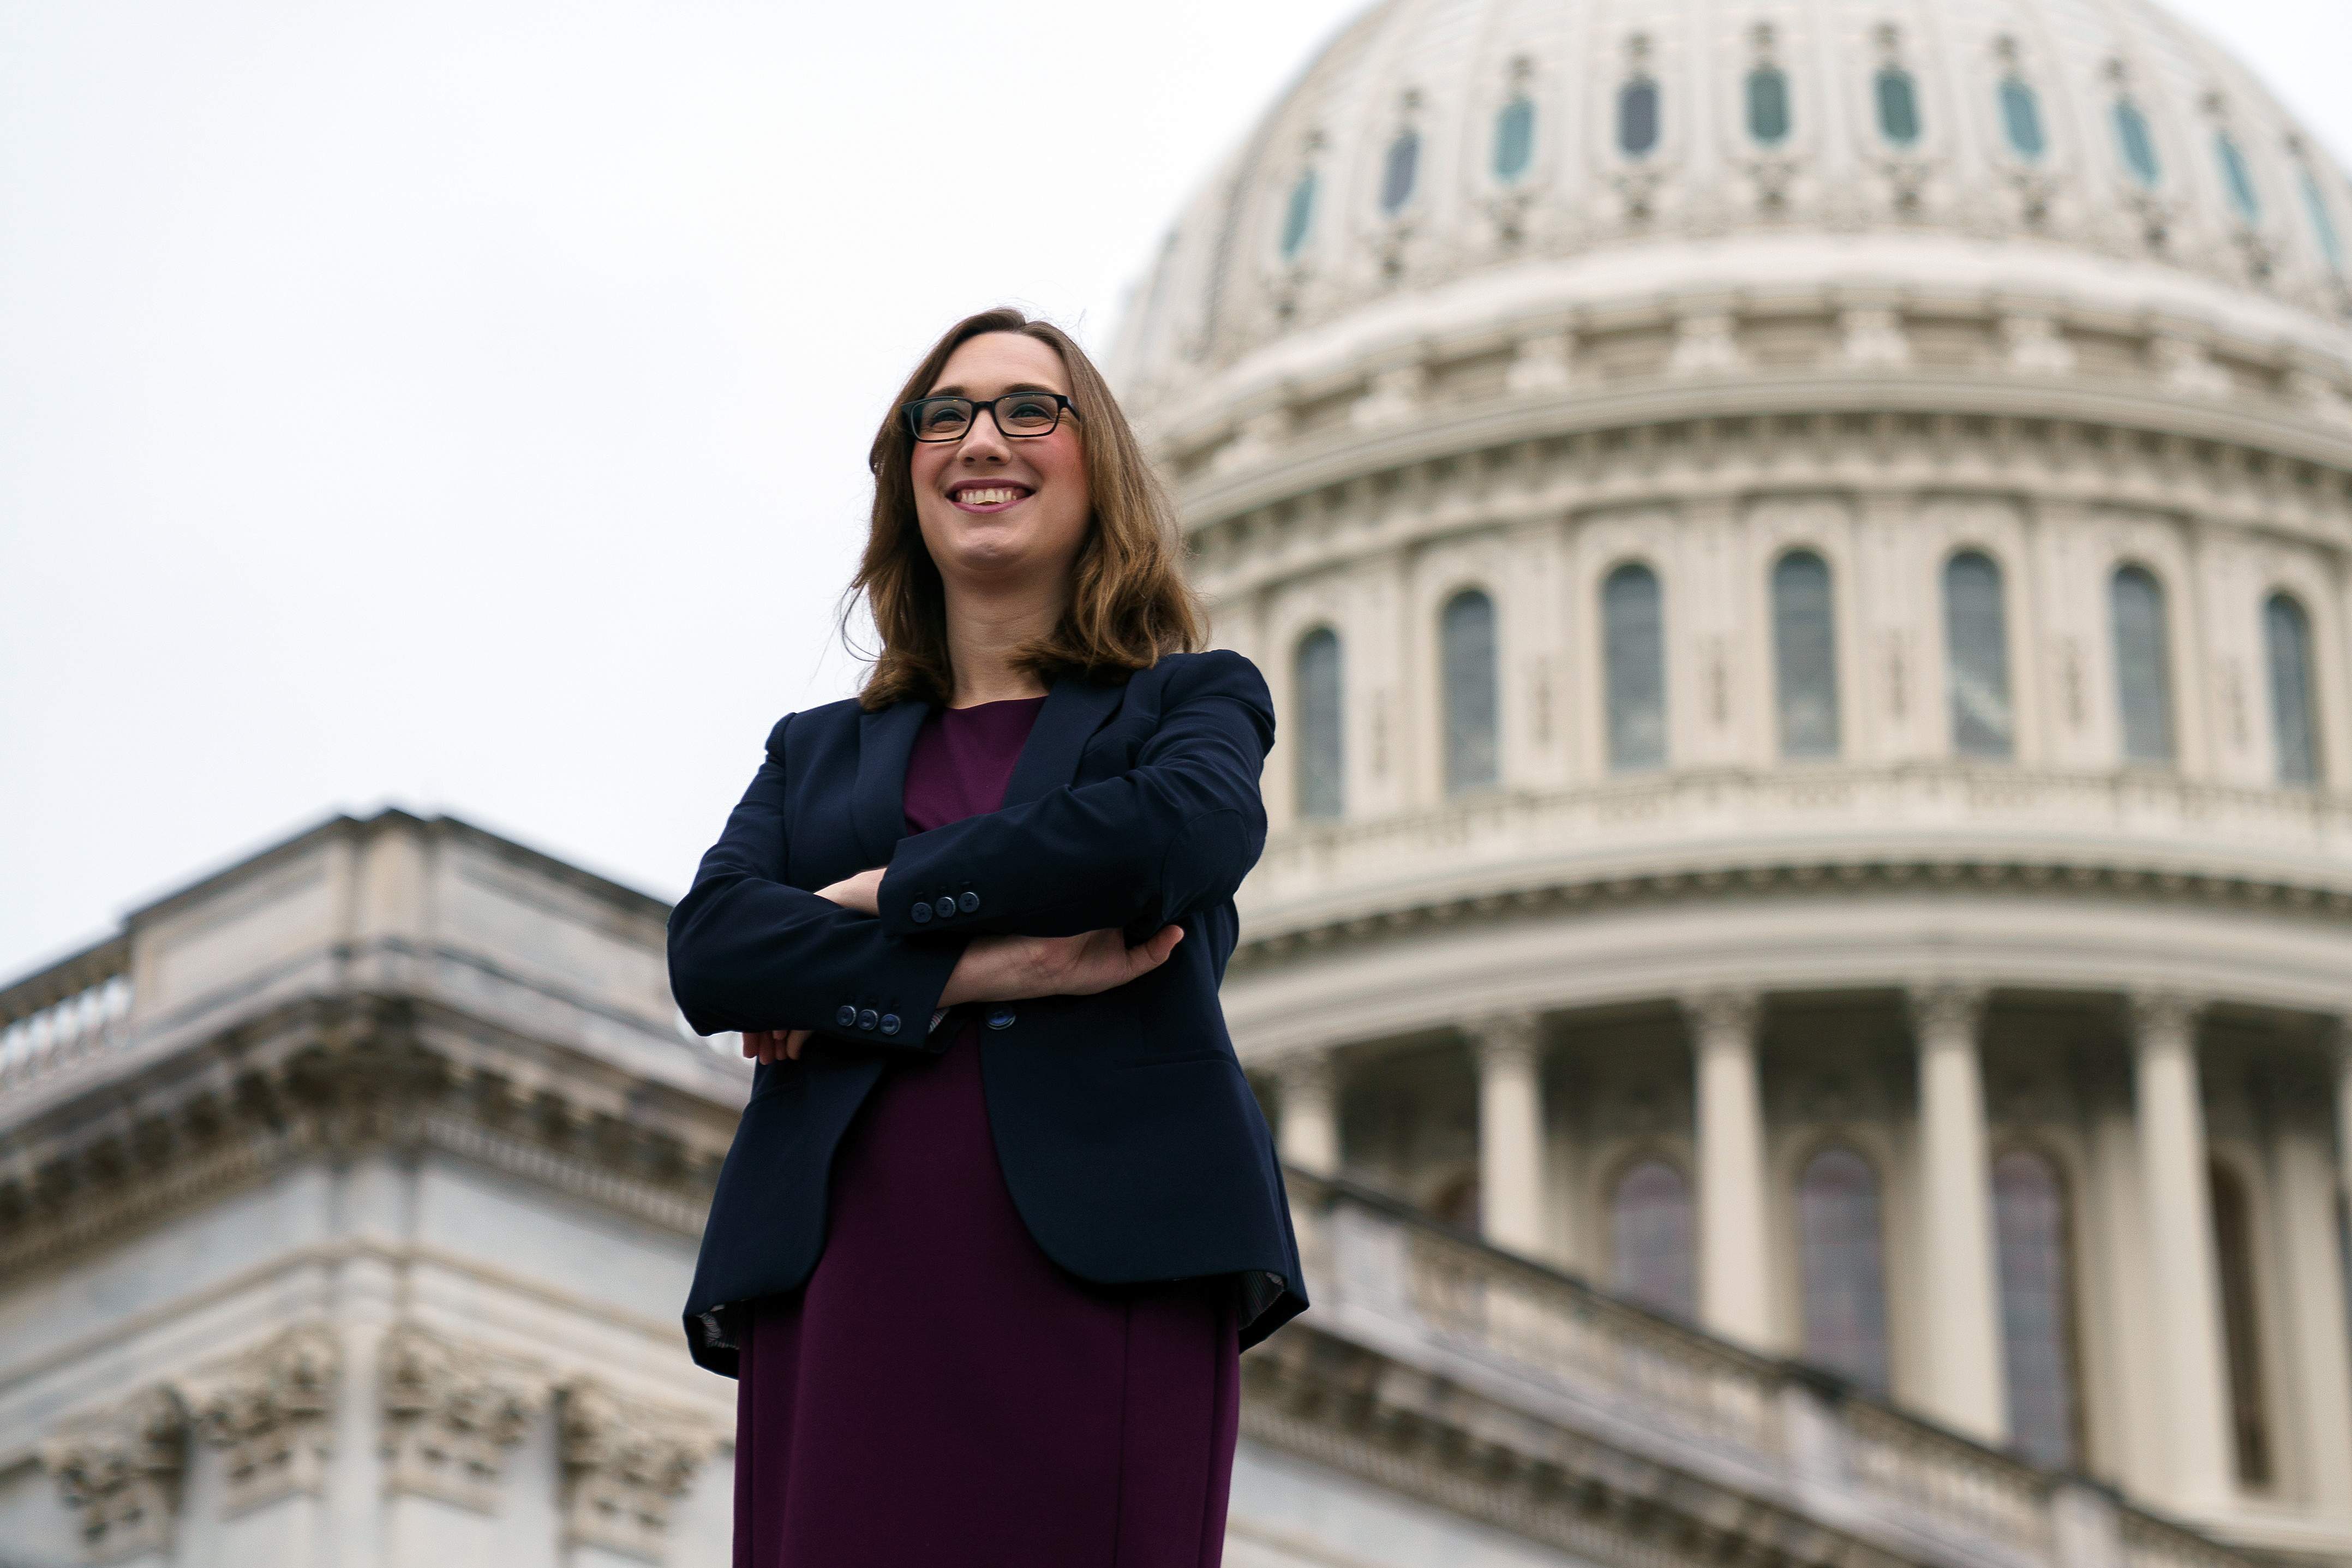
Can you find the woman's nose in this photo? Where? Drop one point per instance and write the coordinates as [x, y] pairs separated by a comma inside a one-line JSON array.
[[983, 439]]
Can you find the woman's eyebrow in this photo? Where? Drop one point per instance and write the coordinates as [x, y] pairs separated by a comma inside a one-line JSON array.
[[1016, 386]]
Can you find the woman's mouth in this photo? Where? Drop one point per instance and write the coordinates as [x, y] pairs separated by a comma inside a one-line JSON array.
[[992, 496]]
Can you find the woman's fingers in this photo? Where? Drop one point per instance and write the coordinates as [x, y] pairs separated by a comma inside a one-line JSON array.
[[793, 1040]]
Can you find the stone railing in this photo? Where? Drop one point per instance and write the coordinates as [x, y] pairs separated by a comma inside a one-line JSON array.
[[67, 1016], [1546, 1343]]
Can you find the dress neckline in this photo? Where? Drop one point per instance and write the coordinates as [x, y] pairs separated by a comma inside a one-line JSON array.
[[999, 702]]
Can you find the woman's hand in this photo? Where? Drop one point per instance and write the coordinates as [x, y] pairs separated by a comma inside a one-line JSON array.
[[861, 894], [1013, 968]]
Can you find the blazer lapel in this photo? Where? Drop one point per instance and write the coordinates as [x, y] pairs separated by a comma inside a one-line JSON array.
[[1075, 708], [884, 741]]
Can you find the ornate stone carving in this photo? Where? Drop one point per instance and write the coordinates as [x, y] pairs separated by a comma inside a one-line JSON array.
[[1542, 364], [121, 1470], [2033, 345], [1872, 338], [450, 1413], [2184, 366], [625, 1465], [1392, 397], [1715, 1015], [1945, 1010], [272, 1408], [1706, 345], [1507, 1039]]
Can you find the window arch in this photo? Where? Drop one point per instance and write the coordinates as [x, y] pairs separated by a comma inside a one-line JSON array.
[[1841, 1262], [1633, 654], [1515, 138], [1466, 640], [1322, 789], [2323, 224], [1400, 170], [2295, 730], [1638, 118], [2031, 1234], [1804, 649], [1768, 105], [2238, 176], [1898, 106], [1298, 214], [1651, 1231], [2136, 144], [1976, 658], [2143, 664], [2233, 1244], [2020, 119]]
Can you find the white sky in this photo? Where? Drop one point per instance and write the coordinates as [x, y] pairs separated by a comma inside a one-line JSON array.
[[462, 404]]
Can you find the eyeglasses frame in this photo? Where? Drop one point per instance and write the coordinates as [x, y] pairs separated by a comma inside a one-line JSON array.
[[1062, 405]]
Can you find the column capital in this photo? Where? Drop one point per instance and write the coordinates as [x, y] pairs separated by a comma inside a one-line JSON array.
[[1943, 1009], [2158, 1017], [1503, 1038], [1728, 1011]]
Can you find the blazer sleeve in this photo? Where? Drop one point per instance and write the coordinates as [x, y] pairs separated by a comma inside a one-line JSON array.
[[1177, 831], [749, 951]]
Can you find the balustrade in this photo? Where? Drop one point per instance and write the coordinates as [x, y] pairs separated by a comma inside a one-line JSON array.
[[66, 1017]]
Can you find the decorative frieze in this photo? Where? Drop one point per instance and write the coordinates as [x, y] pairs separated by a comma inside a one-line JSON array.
[[451, 1412], [272, 1409], [119, 1470], [625, 1464]]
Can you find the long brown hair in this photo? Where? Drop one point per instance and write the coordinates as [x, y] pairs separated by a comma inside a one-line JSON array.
[[1128, 600]]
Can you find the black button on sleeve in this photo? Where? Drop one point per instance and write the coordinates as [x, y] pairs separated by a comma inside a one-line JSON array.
[[969, 902], [846, 1016], [921, 913], [866, 1019], [890, 1023], [946, 906], [1000, 1018]]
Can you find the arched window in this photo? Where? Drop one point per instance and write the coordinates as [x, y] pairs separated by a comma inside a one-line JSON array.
[[2032, 1236], [2020, 119], [1466, 635], [2233, 1246], [2294, 734], [1768, 105], [1898, 106], [2323, 224], [2136, 144], [2143, 664], [1653, 1255], [1514, 139], [2238, 177], [1840, 1260], [1804, 648], [1976, 658], [1633, 651], [1637, 117], [1398, 170], [1299, 218], [1321, 780]]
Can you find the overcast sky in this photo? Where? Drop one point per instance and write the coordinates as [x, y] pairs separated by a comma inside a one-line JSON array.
[[462, 405]]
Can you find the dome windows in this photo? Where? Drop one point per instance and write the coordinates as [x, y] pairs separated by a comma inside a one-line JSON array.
[[1514, 139], [1840, 1267], [1315, 676], [1298, 215], [2294, 733], [1399, 171], [2238, 177], [2032, 1243], [1633, 653], [1637, 118], [2020, 119], [1976, 658], [2323, 224], [2136, 144], [1898, 106], [1804, 650], [1466, 661], [2143, 664], [1768, 105]]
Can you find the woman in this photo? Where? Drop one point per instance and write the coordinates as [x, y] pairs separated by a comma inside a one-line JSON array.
[[1001, 1211]]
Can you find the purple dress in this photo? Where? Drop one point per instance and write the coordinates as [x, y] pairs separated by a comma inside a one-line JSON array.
[[940, 1391]]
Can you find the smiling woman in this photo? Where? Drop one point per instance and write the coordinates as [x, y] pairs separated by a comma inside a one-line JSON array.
[[956, 919]]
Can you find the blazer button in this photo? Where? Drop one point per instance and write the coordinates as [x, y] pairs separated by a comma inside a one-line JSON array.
[[921, 913], [866, 1020], [946, 906], [1000, 1018], [846, 1018], [969, 902], [890, 1023]]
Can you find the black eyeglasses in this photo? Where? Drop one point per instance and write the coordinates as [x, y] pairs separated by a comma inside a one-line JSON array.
[[1017, 414]]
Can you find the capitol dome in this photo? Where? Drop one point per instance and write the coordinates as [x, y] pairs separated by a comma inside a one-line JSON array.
[[1804, 552]]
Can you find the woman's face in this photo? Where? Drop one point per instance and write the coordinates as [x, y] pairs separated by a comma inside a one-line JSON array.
[[998, 509]]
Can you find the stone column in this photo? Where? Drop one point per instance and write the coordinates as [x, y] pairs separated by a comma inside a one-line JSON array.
[[2312, 1274], [1510, 1130], [1966, 1383], [2340, 1048], [2184, 1296], [1733, 1281], [1309, 1132]]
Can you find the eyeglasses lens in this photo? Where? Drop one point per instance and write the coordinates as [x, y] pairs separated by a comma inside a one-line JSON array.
[[941, 418]]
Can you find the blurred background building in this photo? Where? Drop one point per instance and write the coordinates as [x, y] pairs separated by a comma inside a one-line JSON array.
[[1804, 553]]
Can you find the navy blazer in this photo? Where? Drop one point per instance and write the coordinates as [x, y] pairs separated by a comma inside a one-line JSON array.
[[1127, 1136]]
